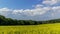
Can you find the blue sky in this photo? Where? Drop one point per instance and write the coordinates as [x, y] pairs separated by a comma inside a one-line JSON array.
[[18, 4], [30, 9]]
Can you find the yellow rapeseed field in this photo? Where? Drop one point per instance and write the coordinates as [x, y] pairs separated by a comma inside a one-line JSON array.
[[31, 29]]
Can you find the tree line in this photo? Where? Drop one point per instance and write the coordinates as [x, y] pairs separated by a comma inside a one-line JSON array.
[[9, 21]]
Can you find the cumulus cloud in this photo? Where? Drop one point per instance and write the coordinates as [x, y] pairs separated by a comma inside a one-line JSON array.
[[50, 2], [40, 11], [32, 12], [56, 11], [4, 11]]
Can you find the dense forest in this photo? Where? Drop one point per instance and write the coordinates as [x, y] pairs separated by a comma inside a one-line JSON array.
[[9, 21]]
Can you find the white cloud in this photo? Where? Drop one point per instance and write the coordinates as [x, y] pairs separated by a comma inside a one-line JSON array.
[[56, 11], [31, 12], [17, 11], [24, 14], [50, 2], [38, 6], [4, 11]]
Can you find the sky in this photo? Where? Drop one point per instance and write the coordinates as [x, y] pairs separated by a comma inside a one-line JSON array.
[[30, 9], [18, 4]]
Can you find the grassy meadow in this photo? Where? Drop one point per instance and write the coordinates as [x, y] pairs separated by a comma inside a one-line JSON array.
[[31, 29]]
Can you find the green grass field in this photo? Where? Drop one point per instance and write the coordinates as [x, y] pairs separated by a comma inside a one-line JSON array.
[[31, 29]]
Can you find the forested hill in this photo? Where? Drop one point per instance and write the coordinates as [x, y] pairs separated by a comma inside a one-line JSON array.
[[9, 21]]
